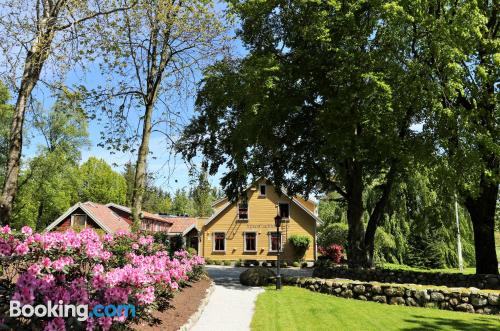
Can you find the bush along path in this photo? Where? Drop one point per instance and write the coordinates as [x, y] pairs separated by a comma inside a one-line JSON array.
[[86, 269], [459, 299]]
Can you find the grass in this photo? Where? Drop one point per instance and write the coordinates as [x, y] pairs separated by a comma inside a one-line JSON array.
[[295, 308], [393, 266]]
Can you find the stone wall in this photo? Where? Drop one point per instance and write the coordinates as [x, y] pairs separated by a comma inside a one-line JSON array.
[[470, 300], [326, 270]]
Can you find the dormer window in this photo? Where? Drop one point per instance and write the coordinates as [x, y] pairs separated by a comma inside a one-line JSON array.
[[243, 210], [79, 221], [262, 190]]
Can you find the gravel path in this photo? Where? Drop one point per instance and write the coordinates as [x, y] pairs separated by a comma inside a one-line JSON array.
[[231, 305]]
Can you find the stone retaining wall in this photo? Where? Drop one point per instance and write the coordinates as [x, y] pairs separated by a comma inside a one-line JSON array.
[[470, 300], [325, 270]]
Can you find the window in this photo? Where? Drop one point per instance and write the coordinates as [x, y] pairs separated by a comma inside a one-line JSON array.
[[219, 242], [79, 221], [262, 190], [284, 210], [243, 210], [250, 241], [274, 240]]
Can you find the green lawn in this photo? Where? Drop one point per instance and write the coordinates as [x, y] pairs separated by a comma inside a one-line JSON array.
[[299, 309], [393, 266]]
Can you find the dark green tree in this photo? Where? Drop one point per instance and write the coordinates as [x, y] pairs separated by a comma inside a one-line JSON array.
[[203, 195], [325, 101]]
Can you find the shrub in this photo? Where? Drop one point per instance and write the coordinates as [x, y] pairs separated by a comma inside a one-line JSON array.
[[333, 233], [334, 252], [83, 268], [227, 262], [209, 261], [217, 262], [239, 263], [300, 244], [304, 264], [251, 263], [296, 264], [258, 276], [284, 264], [192, 251], [161, 237]]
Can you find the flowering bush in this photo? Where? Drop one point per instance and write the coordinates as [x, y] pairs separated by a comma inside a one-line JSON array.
[[334, 252], [83, 268]]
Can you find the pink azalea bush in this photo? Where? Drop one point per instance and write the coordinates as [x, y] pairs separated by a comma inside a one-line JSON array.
[[83, 268]]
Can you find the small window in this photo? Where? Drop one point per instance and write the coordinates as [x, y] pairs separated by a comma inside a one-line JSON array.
[[262, 190], [243, 211], [250, 241], [79, 221], [284, 210], [274, 240], [219, 242]]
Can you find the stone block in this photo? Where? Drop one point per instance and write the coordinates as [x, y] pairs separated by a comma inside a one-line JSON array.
[[397, 301], [380, 298]]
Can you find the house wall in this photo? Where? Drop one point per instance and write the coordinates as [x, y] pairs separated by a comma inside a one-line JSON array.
[[66, 223], [262, 211]]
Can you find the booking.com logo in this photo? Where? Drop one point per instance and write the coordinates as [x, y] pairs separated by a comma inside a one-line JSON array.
[[81, 312]]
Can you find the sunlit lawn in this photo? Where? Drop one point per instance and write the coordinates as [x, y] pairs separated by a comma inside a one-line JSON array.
[[300, 309]]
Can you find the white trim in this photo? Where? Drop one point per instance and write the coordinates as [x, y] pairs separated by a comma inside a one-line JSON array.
[[189, 228], [269, 234], [213, 242], [245, 242], [62, 217], [248, 211], [260, 190], [122, 208]]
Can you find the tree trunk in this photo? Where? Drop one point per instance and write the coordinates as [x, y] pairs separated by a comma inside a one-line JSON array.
[[33, 64], [482, 212], [376, 217], [356, 256], [140, 168]]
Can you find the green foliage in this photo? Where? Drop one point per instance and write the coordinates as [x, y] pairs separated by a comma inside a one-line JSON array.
[[176, 244], [300, 244], [182, 204], [192, 251], [296, 264], [203, 195], [162, 238], [227, 262], [100, 183], [332, 233]]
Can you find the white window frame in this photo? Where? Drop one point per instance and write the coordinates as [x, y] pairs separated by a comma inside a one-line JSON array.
[[289, 209], [213, 242], [245, 241], [260, 190], [270, 234], [86, 219], [248, 212]]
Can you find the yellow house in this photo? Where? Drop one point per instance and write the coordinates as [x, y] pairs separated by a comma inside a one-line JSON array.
[[245, 229]]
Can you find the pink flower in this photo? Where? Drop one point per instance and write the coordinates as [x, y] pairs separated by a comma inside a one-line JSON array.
[[22, 249], [135, 246], [147, 296], [46, 262], [5, 229], [57, 324], [26, 230]]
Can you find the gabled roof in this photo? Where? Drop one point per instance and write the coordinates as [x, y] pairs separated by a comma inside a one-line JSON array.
[[293, 199], [145, 214], [100, 214], [181, 225]]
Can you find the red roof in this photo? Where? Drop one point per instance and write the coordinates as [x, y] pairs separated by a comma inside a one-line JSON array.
[[181, 224], [106, 216]]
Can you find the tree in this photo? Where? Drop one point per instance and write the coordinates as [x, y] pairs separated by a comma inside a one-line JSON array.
[[325, 101], [203, 195], [5, 118], [182, 204], [463, 61], [31, 34], [100, 183], [154, 200], [153, 49], [49, 185]]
